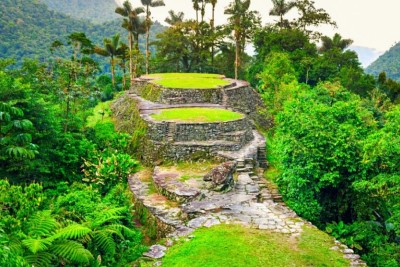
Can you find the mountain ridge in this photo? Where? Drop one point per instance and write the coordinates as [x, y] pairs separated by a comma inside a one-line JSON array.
[[388, 62]]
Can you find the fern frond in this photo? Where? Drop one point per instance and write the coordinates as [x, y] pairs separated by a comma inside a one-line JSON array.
[[119, 228], [41, 259], [107, 216], [36, 245], [72, 251], [72, 231], [105, 241], [42, 224]]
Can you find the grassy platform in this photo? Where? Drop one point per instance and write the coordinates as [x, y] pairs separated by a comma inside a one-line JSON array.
[[234, 245], [197, 115], [189, 80]]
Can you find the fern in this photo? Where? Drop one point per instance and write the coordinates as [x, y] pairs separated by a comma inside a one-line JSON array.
[[72, 251], [42, 224], [36, 245], [39, 259], [119, 228], [72, 231], [107, 216], [105, 241]]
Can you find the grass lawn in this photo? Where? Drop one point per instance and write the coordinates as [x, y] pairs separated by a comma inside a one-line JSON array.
[[189, 80], [237, 246], [101, 113], [196, 115]]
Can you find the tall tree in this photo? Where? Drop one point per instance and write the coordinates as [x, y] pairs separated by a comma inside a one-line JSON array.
[[212, 24], [110, 49], [174, 18], [196, 7], [130, 15], [281, 8], [148, 4], [123, 55], [336, 42], [311, 16], [242, 22]]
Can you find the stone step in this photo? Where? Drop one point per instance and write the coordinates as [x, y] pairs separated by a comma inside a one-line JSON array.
[[166, 211], [216, 145], [169, 186]]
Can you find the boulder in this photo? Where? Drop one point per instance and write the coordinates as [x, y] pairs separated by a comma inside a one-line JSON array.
[[221, 177]]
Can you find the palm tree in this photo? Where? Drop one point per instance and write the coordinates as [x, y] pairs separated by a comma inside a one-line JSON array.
[[237, 9], [130, 24], [148, 4], [110, 49], [174, 18], [281, 8], [212, 24], [336, 42], [196, 7], [123, 55]]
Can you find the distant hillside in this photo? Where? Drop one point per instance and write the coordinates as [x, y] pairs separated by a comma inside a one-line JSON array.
[[28, 28], [97, 11], [389, 62]]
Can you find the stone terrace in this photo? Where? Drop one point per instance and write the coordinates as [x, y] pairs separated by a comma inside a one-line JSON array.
[[178, 206]]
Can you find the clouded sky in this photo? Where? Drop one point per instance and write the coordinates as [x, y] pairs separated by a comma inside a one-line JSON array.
[[370, 23]]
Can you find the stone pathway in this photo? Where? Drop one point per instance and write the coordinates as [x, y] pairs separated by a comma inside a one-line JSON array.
[[250, 203]]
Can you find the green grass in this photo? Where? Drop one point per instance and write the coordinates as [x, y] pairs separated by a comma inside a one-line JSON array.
[[101, 113], [189, 80], [196, 115], [237, 246]]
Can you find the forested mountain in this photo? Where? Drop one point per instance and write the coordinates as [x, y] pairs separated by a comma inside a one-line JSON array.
[[389, 62], [97, 11], [28, 28]]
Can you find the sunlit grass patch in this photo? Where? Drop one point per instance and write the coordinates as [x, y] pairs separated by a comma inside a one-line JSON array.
[[234, 245], [189, 80], [196, 115]]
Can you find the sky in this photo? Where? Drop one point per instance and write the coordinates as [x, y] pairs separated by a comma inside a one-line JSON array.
[[369, 23]]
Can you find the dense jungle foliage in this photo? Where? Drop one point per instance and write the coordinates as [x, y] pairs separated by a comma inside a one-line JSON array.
[[334, 147]]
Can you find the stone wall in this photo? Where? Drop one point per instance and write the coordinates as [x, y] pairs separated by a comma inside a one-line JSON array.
[[188, 96], [182, 132]]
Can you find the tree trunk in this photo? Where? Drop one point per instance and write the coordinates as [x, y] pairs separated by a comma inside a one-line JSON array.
[[147, 39], [237, 58], [212, 28], [112, 71], [124, 76], [130, 41]]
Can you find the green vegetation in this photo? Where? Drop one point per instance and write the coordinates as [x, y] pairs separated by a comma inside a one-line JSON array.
[[334, 145], [388, 63], [101, 114], [189, 80], [234, 245], [85, 9], [196, 115]]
